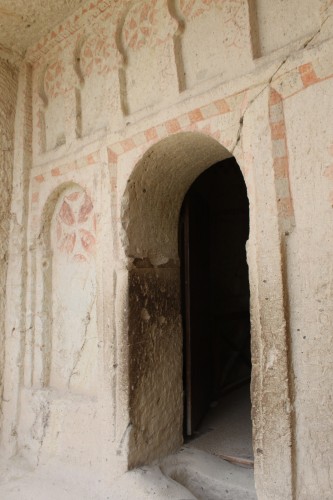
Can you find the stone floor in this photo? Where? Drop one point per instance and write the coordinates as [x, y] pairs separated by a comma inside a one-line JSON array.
[[197, 471], [226, 431]]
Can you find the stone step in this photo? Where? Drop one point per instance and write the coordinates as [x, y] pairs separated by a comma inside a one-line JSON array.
[[208, 477], [147, 483]]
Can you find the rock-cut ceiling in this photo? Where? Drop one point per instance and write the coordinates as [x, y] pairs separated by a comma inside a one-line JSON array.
[[24, 22]]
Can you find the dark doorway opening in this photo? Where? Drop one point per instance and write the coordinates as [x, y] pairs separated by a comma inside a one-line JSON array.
[[214, 228]]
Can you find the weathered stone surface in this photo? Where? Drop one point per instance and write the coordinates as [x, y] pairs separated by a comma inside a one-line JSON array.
[[8, 94], [155, 364], [118, 110]]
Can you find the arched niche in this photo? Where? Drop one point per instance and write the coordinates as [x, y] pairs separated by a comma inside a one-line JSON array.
[[150, 215], [145, 29], [66, 255], [216, 39], [62, 355], [97, 69]]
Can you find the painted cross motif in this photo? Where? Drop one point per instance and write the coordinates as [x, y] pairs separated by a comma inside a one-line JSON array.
[[76, 227]]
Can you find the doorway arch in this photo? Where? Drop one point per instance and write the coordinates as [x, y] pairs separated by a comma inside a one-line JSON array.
[[150, 215]]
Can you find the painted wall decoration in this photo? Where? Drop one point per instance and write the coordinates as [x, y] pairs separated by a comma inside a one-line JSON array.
[[74, 333], [99, 89], [98, 76], [146, 25], [147, 35], [54, 79], [76, 227], [96, 55]]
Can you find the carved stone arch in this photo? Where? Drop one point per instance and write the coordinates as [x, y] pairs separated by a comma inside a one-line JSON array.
[[151, 207], [97, 65], [61, 356], [65, 254], [229, 23], [44, 256], [153, 328], [145, 28], [154, 178]]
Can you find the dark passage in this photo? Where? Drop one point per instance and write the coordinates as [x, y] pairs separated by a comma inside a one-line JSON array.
[[214, 227]]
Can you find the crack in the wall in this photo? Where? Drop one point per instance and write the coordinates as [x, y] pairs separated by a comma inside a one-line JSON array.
[[290, 378], [79, 353], [271, 78], [45, 422], [313, 37], [262, 90], [39, 426]]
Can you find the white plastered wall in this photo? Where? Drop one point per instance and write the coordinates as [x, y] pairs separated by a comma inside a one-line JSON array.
[[272, 115]]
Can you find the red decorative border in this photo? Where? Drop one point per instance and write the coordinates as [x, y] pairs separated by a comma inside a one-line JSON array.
[[299, 79], [280, 156], [195, 119]]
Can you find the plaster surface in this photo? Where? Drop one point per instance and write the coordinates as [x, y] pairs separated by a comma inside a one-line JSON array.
[[8, 93], [23, 23], [105, 122]]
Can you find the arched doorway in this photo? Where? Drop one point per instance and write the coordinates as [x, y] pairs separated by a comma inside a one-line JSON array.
[[151, 208], [213, 230]]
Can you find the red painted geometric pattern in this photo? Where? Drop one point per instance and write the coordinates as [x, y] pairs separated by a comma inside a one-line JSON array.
[[98, 55], [191, 121], [148, 23], [76, 226], [280, 156], [192, 8], [54, 79]]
